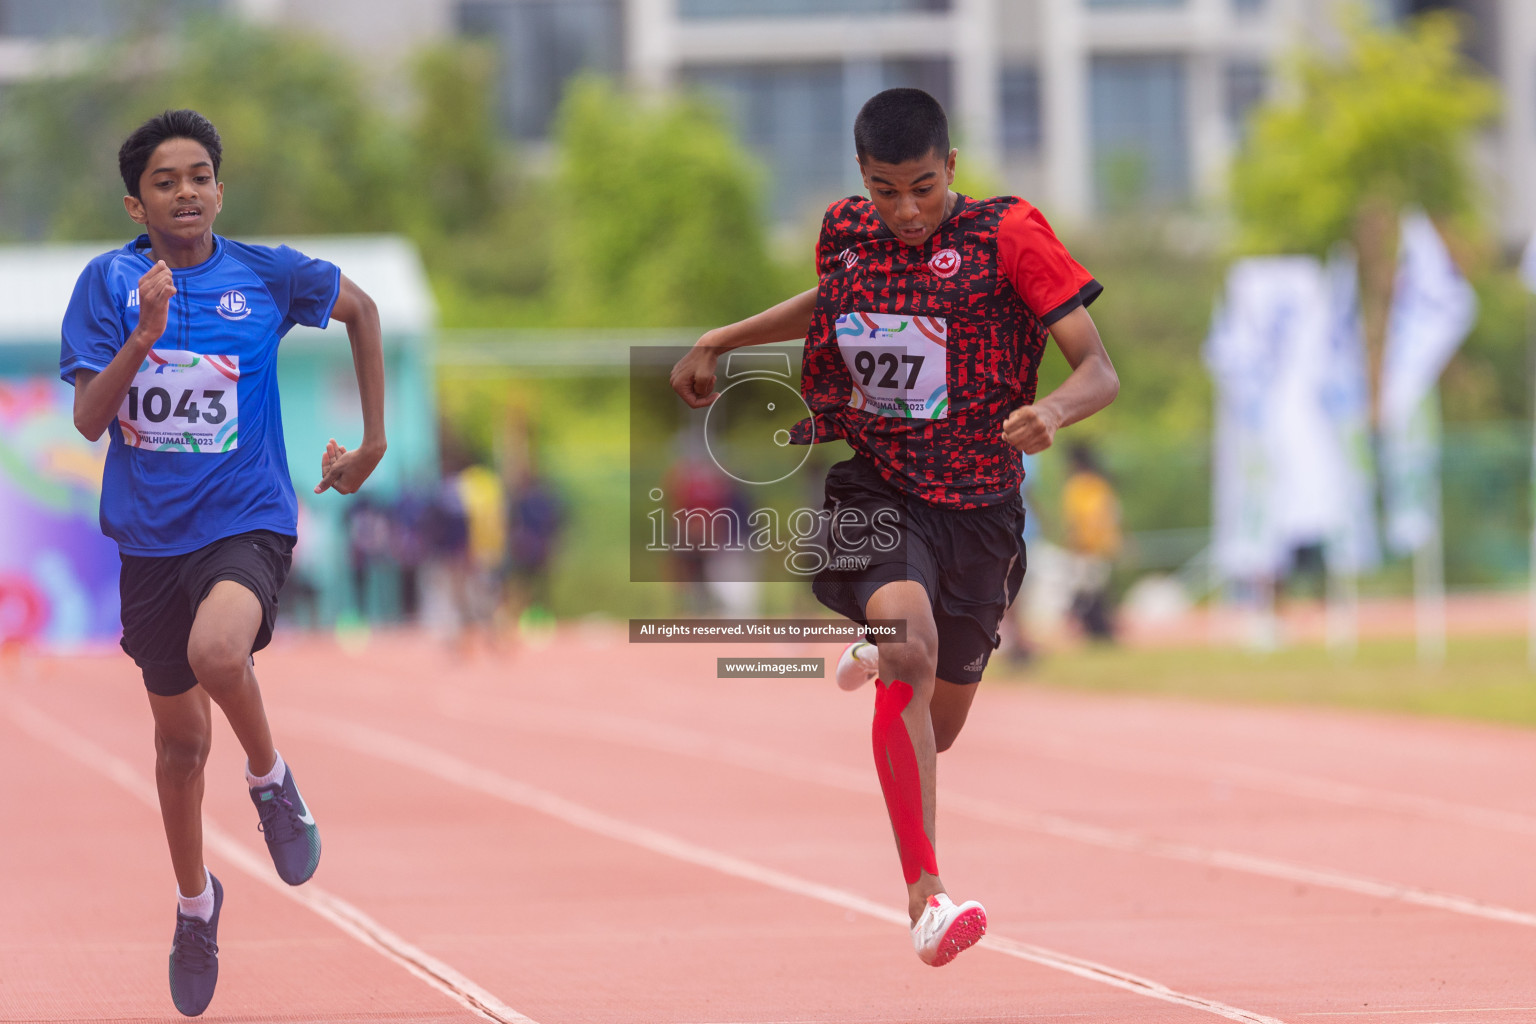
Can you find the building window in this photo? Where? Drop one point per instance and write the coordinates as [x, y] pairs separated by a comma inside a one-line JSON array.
[[1140, 131], [799, 8], [798, 118], [1021, 109], [45, 19], [1247, 83], [540, 46]]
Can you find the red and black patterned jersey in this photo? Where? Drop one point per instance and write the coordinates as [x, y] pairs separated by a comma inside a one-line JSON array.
[[917, 354]]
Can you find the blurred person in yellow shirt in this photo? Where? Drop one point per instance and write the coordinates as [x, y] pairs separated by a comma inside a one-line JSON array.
[[484, 501], [1091, 515]]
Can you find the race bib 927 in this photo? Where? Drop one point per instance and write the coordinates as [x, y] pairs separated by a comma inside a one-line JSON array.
[[183, 401], [899, 364]]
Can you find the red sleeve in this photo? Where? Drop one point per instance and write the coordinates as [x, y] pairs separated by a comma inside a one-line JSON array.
[[1051, 283]]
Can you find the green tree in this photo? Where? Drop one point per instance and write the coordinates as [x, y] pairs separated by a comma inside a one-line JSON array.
[[304, 149], [659, 214], [1356, 136], [481, 222], [454, 153]]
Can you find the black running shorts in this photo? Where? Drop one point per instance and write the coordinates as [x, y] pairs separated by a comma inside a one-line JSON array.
[[160, 598], [970, 561]]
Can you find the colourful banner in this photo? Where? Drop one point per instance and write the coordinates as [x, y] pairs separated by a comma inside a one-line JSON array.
[[58, 574]]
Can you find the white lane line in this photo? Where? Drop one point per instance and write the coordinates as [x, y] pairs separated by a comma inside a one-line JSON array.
[[429, 760], [670, 739], [1011, 1018], [332, 908], [1210, 772], [1391, 1013], [1284, 783]]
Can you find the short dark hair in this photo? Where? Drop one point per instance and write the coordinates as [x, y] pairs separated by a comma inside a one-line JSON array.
[[134, 155], [898, 125]]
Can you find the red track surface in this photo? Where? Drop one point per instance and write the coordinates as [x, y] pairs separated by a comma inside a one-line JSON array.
[[599, 832]]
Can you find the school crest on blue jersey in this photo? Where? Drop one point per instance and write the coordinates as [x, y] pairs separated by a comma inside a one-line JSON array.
[[232, 305]]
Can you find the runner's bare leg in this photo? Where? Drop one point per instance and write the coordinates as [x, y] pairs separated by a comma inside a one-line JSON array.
[[220, 652], [913, 662], [183, 735], [950, 705]]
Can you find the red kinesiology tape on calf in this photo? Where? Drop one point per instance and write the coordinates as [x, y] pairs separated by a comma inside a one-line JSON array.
[[896, 764]]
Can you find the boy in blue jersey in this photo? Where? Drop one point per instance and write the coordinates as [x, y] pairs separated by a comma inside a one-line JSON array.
[[171, 345]]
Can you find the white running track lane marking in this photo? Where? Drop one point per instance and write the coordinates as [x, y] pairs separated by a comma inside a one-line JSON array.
[[1285, 783], [332, 908], [429, 760], [1396, 1013], [1208, 771], [674, 740]]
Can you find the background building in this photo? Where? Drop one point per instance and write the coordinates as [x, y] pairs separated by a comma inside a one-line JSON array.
[[1085, 105]]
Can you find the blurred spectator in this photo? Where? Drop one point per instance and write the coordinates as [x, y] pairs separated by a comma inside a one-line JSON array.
[[1306, 572], [299, 600], [1091, 516], [478, 593], [370, 547], [710, 507], [445, 559], [410, 515], [535, 516], [1013, 630]]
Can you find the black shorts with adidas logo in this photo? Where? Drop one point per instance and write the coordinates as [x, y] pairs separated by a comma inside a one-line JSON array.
[[970, 561]]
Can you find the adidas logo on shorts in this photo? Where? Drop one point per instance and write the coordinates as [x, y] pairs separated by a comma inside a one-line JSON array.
[[977, 665]]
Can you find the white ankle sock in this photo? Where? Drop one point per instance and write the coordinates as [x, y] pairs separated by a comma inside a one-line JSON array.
[[274, 777], [200, 905]]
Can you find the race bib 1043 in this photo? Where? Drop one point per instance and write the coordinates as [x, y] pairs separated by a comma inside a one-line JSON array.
[[183, 401], [899, 363]]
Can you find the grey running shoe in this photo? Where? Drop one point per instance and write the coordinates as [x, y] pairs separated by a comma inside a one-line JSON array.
[[292, 838], [195, 957]]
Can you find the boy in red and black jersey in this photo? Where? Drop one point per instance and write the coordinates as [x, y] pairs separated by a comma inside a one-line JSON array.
[[923, 339], [981, 293]]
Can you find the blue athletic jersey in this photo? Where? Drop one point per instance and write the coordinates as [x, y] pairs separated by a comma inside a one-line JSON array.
[[197, 450]]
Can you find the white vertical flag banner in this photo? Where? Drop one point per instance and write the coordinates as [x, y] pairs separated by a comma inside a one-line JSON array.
[[1241, 353], [1277, 465], [1354, 546], [1308, 461], [1433, 310]]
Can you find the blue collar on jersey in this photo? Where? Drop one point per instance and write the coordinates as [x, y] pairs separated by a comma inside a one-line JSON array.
[[140, 247]]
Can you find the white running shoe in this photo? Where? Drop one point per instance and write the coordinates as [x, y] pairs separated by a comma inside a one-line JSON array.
[[945, 930], [859, 664]]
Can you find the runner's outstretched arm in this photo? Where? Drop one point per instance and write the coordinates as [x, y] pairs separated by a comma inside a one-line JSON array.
[[339, 468], [99, 396], [693, 378], [1090, 386]]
